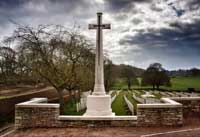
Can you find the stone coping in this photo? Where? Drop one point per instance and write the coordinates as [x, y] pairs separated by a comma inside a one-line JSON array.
[[38, 103], [168, 103], [99, 96], [168, 100], [62, 117], [185, 98]]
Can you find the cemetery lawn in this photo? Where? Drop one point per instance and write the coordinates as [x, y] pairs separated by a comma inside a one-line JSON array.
[[120, 84], [118, 106], [177, 83], [157, 95], [70, 109], [183, 83]]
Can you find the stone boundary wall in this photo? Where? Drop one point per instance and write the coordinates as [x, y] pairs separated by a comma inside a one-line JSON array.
[[169, 113], [38, 113], [191, 105], [97, 121]]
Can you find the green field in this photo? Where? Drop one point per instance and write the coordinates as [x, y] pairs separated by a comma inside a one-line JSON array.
[[182, 83], [177, 83], [120, 84]]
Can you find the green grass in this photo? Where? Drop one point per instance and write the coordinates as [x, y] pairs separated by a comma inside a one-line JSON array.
[[120, 84], [183, 83], [70, 109], [3, 97], [157, 95], [177, 83], [118, 106]]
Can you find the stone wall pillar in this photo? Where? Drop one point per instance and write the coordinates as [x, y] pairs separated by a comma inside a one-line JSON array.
[[160, 116], [168, 113], [29, 115], [191, 105]]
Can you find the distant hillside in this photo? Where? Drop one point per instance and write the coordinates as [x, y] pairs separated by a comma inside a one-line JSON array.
[[184, 72], [174, 73], [118, 68]]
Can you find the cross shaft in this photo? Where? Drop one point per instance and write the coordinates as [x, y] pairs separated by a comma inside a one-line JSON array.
[[99, 88]]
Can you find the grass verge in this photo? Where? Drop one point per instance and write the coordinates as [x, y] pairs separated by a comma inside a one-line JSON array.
[[118, 106]]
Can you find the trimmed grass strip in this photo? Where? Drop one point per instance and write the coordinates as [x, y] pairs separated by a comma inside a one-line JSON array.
[[118, 106]]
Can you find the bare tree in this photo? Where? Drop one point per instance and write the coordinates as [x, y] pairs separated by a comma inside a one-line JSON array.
[[7, 63], [55, 54], [127, 72]]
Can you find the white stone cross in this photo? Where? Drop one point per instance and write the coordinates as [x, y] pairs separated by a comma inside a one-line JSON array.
[[99, 88]]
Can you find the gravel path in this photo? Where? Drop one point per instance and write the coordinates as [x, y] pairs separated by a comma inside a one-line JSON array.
[[103, 132]]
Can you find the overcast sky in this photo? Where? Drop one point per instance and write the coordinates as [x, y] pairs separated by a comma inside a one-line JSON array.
[[143, 31]]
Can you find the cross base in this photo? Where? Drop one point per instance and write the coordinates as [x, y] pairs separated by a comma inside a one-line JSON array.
[[99, 105]]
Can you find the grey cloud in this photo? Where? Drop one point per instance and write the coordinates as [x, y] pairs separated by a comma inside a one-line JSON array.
[[118, 5], [136, 21], [193, 4], [119, 17], [11, 3], [153, 7], [179, 43], [182, 40], [16, 9], [123, 5]]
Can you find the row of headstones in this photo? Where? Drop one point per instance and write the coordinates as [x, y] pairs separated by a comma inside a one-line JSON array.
[[138, 99], [116, 93], [149, 99], [172, 93], [178, 94], [82, 104], [129, 104]]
